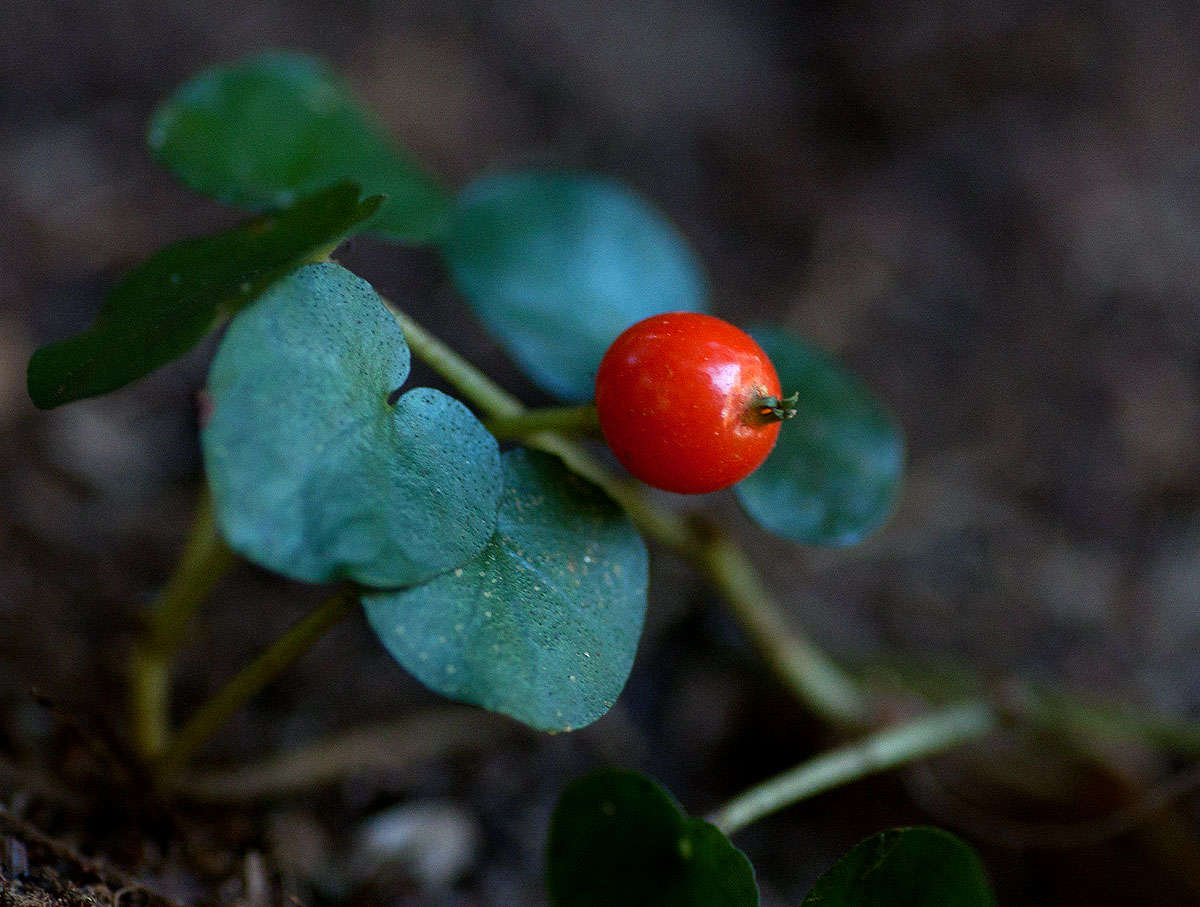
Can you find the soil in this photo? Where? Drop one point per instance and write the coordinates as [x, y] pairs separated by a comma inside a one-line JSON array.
[[989, 210]]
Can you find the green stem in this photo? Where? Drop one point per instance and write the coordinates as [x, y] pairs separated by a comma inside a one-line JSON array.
[[204, 562], [562, 420], [808, 671], [1061, 715], [285, 650], [665, 526], [477, 388], [815, 679], [883, 750]]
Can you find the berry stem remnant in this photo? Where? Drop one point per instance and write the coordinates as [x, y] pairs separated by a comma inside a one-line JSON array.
[[774, 409]]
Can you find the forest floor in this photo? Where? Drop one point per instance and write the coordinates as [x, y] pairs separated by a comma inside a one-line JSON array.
[[996, 222]]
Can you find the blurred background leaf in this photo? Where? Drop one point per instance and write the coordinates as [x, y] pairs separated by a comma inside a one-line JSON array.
[[905, 867], [617, 837], [836, 469], [162, 308], [260, 131], [556, 265]]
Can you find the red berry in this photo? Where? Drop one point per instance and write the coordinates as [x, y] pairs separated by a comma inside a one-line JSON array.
[[688, 402]]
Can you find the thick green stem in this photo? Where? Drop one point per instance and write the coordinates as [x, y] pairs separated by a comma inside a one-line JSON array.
[[823, 686], [883, 750], [573, 421], [204, 561], [285, 650]]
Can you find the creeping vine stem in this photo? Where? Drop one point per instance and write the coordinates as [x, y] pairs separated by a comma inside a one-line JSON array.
[[806, 670], [204, 561], [810, 674]]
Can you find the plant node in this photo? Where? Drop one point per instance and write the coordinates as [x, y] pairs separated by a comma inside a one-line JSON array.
[[774, 409]]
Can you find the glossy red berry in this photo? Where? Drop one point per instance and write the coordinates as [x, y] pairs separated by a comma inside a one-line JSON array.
[[688, 403]]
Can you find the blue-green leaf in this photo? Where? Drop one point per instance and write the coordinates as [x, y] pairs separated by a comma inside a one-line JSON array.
[[556, 265], [313, 473], [162, 308], [618, 838], [543, 625], [260, 131], [835, 472], [905, 867]]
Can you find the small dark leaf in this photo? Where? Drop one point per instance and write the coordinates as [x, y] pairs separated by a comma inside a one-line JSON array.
[[905, 867], [314, 473], [618, 838], [556, 265], [260, 131], [164, 306], [835, 472], [544, 624]]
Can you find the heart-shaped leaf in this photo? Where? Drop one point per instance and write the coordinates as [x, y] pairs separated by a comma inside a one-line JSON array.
[[905, 867], [164, 306], [313, 473], [260, 131], [618, 838], [835, 472], [543, 625], [557, 265]]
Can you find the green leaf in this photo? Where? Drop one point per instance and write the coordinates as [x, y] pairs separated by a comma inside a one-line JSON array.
[[834, 475], [313, 473], [543, 625], [260, 131], [164, 306], [618, 838], [905, 867], [557, 265]]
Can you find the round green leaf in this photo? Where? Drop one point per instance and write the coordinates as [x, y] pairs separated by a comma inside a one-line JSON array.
[[905, 867], [835, 472], [556, 265], [258, 132], [618, 838], [313, 473], [543, 625], [165, 305]]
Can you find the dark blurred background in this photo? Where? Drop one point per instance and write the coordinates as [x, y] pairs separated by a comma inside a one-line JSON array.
[[991, 210]]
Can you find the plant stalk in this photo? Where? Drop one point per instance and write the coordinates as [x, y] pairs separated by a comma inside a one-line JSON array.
[[487, 396], [571, 421], [883, 750], [204, 562], [808, 671], [285, 650]]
